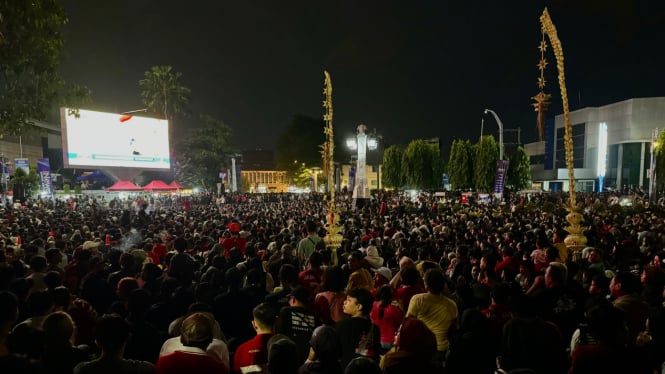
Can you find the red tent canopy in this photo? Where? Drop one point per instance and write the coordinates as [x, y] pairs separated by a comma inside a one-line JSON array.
[[124, 186], [177, 185], [157, 185]]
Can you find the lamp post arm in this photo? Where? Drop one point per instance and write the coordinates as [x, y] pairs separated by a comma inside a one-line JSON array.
[[498, 121]]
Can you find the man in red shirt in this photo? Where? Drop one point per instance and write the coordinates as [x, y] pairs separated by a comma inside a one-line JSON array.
[[311, 278], [253, 354], [196, 334]]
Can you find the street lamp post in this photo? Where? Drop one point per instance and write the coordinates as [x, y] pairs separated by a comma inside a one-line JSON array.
[[498, 121]]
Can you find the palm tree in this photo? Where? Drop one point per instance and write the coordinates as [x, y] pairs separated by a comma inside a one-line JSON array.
[[162, 93]]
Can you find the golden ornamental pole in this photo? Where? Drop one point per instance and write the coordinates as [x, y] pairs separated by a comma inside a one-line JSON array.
[[333, 238], [575, 240]]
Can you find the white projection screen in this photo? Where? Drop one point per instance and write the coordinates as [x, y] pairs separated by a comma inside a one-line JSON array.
[[99, 139]]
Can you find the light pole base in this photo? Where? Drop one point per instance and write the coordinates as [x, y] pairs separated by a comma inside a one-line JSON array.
[[359, 202]]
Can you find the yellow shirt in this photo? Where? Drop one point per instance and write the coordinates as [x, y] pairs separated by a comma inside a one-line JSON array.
[[437, 312]]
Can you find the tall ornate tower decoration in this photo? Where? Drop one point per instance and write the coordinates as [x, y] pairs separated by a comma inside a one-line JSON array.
[[542, 100], [575, 240], [333, 239]]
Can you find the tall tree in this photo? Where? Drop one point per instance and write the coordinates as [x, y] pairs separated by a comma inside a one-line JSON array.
[[203, 153], [460, 166], [163, 94], [484, 163], [31, 89], [421, 165], [392, 167], [300, 143], [519, 171]]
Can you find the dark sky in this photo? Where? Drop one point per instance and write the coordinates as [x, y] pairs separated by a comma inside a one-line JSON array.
[[409, 69]]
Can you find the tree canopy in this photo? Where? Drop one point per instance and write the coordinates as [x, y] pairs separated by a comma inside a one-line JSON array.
[[422, 167], [519, 171], [484, 163], [460, 166], [392, 167], [162, 92], [31, 44], [203, 153], [301, 143]]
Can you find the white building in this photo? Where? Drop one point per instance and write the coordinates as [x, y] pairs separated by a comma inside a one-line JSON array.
[[629, 126]]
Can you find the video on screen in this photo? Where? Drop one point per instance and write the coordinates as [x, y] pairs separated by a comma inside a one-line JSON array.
[[99, 139]]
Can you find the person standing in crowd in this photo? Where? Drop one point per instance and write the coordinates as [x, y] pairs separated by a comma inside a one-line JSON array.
[[196, 335], [324, 353], [111, 337], [254, 353], [387, 315], [436, 311], [307, 245], [358, 335], [360, 277], [296, 321]]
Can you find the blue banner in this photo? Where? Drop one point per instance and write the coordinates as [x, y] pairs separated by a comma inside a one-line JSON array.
[[45, 180], [22, 163], [500, 178]]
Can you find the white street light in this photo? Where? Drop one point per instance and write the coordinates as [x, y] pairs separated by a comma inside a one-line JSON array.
[[498, 121]]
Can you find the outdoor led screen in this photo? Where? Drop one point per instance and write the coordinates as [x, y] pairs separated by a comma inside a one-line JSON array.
[[99, 139]]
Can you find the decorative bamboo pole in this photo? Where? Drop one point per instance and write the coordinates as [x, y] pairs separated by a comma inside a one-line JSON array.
[[333, 239], [575, 240]]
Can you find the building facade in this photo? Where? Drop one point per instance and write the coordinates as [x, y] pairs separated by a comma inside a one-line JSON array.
[[612, 141]]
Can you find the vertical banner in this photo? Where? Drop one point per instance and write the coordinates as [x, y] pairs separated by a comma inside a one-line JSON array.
[[352, 177], [22, 163], [500, 178], [45, 180]]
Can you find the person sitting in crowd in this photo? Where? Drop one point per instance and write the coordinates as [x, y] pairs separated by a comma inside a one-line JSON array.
[[111, 336], [482, 248], [358, 335], [196, 336]]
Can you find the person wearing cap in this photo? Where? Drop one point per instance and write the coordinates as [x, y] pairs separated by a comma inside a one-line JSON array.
[[324, 353], [196, 335], [373, 258], [382, 276], [296, 321], [360, 277], [235, 240]]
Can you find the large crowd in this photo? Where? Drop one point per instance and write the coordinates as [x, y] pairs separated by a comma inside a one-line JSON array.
[[245, 283]]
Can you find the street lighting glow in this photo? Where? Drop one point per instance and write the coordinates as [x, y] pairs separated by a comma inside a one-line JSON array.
[[602, 149], [351, 144], [372, 143]]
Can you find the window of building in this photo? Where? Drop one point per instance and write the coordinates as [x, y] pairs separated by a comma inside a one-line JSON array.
[[578, 136]]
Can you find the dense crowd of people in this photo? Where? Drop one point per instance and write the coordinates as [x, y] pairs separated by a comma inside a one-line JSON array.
[[245, 283]]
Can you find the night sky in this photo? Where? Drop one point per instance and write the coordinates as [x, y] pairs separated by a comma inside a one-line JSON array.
[[409, 69]]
